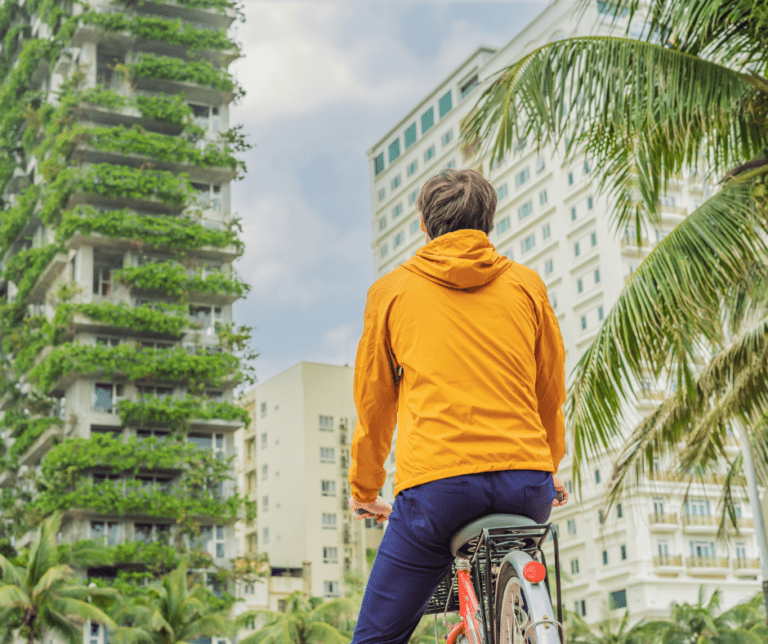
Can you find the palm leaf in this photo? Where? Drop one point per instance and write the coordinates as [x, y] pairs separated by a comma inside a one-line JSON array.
[[13, 597]]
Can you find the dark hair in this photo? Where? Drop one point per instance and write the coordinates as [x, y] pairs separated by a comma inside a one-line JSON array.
[[456, 200]]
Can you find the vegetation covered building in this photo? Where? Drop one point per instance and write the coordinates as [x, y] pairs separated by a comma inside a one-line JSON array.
[[118, 355]]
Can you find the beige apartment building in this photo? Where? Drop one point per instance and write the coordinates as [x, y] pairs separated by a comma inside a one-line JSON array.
[[295, 462], [656, 546]]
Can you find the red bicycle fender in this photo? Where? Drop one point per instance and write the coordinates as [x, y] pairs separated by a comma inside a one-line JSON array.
[[455, 632]]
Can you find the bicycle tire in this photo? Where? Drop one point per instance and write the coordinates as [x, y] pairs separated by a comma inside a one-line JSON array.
[[520, 604]]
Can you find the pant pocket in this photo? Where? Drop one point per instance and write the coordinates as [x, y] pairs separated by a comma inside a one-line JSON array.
[[538, 500]]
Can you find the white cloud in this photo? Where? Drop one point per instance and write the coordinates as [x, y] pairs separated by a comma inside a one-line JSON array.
[[340, 345]]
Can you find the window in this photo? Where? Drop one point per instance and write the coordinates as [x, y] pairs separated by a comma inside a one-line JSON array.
[[617, 599], [328, 488], [445, 103], [521, 177], [540, 164], [265, 503], [502, 192], [571, 527], [325, 423], [378, 164], [396, 182], [327, 455], [427, 119], [573, 213], [543, 197], [583, 322], [605, 557], [576, 249], [600, 313], [597, 276], [574, 566], [394, 150], [102, 274], [107, 341], [545, 232], [580, 607], [593, 239], [264, 472], [382, 223], [619, 511], [330, 555], [162, 483], [382, 194], [467, 87], [597, 476], [590, 203], [410, 135], [580, 285], [207, 196], [399, 238], [702, 549], [503, 225], [600, 517], [586, 167], [265, 535], [429, 154], [106, 397], [741, 551], [329, 521], [525, 210], [204, 316], [263, 409], [528, 243], [414, 226], [206, 116], [412, 167], [698, 507], [397, 210], [623, 550], [152, 533], [548, 267], [413, 197], [331, 589], [569, 486], [160, 393], [383, 251], [447, 137], [570, 178], [451, 165], [109, 533]]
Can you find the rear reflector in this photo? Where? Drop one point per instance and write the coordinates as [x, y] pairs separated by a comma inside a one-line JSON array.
[[534, 571]]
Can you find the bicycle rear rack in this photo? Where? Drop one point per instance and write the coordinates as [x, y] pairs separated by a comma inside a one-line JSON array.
[[486, 552]]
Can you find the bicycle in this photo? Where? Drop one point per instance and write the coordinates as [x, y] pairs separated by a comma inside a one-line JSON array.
[[501, 551]]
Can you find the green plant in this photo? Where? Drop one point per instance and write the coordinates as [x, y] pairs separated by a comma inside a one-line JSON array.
[[33, 429], [178, 412], [200, 72], [177, 281], [160, 317]]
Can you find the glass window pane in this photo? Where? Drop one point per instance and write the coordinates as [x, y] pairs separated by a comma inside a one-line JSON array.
[[446, 103], [427, 119], [201, 440], [410, 136]]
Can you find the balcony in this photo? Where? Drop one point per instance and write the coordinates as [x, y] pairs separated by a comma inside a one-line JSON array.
[[668, 565], [707, 566], [661, 522], [212, 18], [117, 203], [700, 523], [195, 93], [746, 567], [40, 447], [47, 277], [629, 244]]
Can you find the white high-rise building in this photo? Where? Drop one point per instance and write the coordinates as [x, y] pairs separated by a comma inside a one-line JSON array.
[[654, 547], [295, 466]]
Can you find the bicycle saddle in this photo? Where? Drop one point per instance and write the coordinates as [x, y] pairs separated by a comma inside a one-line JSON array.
[[474, 529]]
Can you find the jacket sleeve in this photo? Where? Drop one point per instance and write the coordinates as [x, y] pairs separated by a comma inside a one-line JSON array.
[[375, 388], [550, 378]]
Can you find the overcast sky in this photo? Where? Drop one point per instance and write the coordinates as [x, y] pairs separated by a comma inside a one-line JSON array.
[[325, 80]]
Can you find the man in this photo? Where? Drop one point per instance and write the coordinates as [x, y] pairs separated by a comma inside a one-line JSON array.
[[461, 349]]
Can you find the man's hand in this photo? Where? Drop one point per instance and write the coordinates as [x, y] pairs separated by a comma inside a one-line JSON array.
[[559, 487], [378, 509]]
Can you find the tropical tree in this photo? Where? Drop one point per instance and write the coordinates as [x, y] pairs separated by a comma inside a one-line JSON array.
[[687, 98], [170, 612], [304, 621], [607, 631], [700, 624], [40, 596]]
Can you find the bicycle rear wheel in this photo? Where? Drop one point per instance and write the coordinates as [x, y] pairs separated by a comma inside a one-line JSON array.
[[524, 612]]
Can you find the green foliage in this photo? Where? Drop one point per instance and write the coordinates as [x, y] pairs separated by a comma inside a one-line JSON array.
[[194, 492], [160, 317], [177, 281], [30, 431], [177, 412], [16, 217], [175, 69], [156, 28], [25, 267]]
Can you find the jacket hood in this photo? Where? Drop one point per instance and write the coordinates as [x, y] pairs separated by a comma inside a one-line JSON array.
[[462, 260]]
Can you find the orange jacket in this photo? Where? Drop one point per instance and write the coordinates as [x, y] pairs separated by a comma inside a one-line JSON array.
[[483, 369]]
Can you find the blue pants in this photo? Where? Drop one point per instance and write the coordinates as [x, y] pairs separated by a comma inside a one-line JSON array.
[[415, 554]]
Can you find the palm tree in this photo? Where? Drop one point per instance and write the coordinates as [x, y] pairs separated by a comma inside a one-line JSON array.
[[39, 595], [603, 632], [304, 621], [646, 112], [171, 612]]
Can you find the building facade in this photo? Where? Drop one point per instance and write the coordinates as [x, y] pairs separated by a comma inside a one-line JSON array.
[[296, 469], [657, 545], [116, 282]]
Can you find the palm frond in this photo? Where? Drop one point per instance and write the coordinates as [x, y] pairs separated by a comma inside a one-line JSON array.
[[12, 596]]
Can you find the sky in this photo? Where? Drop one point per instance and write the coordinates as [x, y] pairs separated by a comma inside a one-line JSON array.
[[324, 81]]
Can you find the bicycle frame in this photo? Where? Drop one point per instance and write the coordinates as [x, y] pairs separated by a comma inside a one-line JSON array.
[[469, 607]]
